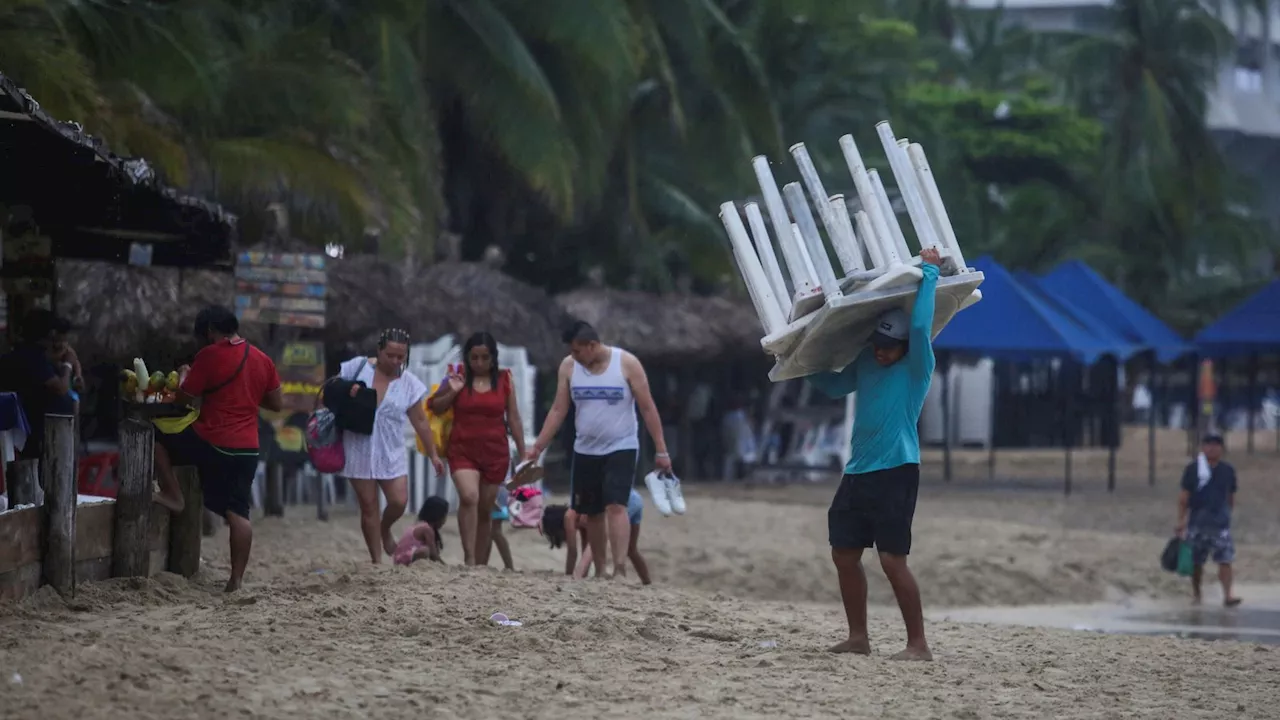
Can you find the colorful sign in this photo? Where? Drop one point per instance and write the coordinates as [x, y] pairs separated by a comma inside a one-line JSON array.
[[281, 288], [301, 368]]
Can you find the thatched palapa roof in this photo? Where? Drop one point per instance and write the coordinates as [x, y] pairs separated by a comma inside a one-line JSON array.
[[121, 311], [367, 294], [668, 328]]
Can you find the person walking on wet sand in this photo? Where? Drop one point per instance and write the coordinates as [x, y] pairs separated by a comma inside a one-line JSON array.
[[1205, 503], [876, 500], [606, 385]]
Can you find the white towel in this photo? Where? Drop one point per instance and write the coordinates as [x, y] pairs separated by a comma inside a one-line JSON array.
[[1203, 470]]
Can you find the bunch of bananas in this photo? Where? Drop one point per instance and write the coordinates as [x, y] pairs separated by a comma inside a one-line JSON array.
[[136, 385]]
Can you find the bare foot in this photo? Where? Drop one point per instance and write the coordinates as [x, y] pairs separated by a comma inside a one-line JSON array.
[[388, 543], [232, 586], [172, 504], [1231, 602], [912, 654], [1195, 599], [619, 572], [857, 646]]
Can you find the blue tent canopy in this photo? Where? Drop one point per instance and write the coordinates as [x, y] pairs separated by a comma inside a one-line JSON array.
[[1104, 304], [1014, 323], [1102, 334], [1251, 327]]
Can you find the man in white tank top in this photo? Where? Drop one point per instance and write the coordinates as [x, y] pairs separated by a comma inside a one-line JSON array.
[[606, 385]]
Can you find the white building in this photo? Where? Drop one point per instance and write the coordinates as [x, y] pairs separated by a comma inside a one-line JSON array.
[[1244, 107]]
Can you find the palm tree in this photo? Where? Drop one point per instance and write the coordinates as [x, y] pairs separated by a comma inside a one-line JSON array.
[[1147, 76]]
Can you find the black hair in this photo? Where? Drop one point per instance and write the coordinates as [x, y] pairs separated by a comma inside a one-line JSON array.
[[476, 340], [553, 524], [1212, 439], [395, 335], [580, 331], [434, 511], [217, 318]]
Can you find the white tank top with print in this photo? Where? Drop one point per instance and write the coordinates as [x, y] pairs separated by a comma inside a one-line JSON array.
[[604, 409]]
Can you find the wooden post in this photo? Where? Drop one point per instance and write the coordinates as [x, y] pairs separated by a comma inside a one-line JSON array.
[[1151, 420], [23, 483], [131, 545], [945, 369], [1109, 424], [273, 502], [322, 499], [58, 467], [186, 528]]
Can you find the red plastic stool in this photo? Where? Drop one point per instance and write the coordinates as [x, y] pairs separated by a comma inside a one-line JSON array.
[[97, 474]]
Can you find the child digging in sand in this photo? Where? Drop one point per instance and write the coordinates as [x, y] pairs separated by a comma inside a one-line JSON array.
[[423, 539], [562, 526]]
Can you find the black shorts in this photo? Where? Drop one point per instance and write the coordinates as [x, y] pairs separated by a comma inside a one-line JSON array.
[[226, 474], [875, 509], [596, 481]]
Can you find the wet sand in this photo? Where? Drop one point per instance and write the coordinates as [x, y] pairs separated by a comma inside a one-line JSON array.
[[736, 625]]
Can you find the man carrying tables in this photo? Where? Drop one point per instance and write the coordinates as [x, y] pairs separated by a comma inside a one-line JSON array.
[[876, 500]]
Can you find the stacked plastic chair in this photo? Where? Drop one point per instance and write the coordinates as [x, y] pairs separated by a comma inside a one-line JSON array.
[[820, 322]]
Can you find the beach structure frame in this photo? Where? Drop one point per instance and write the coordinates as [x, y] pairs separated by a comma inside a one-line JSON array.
[[821, 320]]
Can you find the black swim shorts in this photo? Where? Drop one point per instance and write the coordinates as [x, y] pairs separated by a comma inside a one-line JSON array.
[[226, 474], [875, 509], [597, 481]]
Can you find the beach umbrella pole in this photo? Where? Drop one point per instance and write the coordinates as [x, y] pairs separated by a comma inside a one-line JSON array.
[[1151, 423]]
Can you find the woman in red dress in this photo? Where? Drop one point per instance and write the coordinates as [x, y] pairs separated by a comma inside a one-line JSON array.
[[484, 411]]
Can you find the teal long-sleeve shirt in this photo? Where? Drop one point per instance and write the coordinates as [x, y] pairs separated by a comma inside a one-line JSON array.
[[889, 398]]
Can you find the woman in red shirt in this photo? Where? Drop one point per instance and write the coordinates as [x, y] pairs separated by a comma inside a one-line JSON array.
[[484, 410]]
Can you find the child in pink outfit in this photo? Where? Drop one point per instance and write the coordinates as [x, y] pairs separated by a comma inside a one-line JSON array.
[[423, 539]]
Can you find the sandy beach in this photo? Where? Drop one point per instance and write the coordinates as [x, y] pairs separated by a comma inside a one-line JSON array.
[[735, 626]]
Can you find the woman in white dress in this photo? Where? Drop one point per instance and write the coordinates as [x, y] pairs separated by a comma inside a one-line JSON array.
[[381, 460]]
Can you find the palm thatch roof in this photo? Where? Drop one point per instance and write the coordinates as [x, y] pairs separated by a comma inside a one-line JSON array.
[[668, 328], [120, 311], [367, 294]]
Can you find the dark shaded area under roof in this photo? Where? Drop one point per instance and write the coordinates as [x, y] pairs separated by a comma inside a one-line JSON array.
[[92, 203]]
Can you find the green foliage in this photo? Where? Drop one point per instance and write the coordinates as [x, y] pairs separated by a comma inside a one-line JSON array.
[[581, 133]]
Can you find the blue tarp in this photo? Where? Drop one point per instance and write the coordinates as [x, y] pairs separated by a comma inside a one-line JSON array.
[[1014, 323], [1251, 327], [1101, 333], [1078, 284]]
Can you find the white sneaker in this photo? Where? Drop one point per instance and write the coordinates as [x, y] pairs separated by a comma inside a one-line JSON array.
[[674, 494], [659, 494]]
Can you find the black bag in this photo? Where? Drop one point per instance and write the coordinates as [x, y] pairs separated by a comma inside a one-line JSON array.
[[1169, 558], [351, 413]]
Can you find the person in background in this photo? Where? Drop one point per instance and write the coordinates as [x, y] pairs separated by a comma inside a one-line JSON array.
[[562, 526], [422, 539], [229, 380], [606, 385], [43, 370], [876, 501], [1205, 504], [485, 409], [380, 461]]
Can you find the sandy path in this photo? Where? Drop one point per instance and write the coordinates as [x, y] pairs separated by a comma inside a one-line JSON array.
[[400, 644], [320, 633]]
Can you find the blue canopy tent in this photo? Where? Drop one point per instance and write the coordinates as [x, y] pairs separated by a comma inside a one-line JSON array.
[[1079, 285], [1019, 323], [1105, 306], [1250, 329]]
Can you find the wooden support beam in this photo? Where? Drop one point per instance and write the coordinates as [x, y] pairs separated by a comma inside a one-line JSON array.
[[58, 468], [130, 546], [186, 528]]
